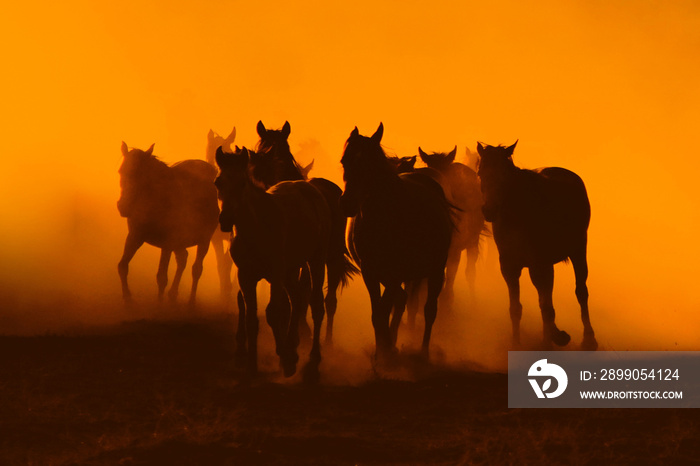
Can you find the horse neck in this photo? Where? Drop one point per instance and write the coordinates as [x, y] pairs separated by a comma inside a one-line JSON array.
[[255, 206]]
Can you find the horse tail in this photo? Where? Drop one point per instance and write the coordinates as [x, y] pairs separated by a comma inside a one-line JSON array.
[[339, 263]]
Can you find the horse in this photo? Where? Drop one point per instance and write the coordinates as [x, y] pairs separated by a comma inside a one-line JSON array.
[[224, 262], [400, 234], [540, 217], [279, 231], [462, 190], [276, 163], [402, 164], [170, 207]]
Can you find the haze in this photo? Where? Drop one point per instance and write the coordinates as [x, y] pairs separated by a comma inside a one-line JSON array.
[[607, 89]]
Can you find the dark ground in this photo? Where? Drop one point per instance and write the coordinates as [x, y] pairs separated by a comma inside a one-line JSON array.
[[167, 393]]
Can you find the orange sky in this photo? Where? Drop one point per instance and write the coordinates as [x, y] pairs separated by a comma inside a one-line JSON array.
[[608, 89]]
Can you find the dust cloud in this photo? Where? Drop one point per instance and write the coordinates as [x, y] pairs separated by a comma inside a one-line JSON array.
[[606, 89]]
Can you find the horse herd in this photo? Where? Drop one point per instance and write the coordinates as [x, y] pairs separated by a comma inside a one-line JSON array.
[[402, 228]]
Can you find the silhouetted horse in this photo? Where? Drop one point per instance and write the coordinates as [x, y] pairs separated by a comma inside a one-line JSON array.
[[218, 241], [462, 190], [278, 232], [276, 163], [402, 164], [170, 207], [540, 217], [400, 234]]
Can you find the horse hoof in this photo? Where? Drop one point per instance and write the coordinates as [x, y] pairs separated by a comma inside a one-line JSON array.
[[289, 368], [589, 344], [561, 338], [311, 373]]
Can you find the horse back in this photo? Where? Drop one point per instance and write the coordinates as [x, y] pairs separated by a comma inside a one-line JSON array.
[[404, 233], [197, 169], [305, 218]]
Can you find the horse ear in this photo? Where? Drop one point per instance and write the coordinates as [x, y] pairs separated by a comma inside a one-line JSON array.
[[377, 136], [210, 134], [286, 129], [220, 157], [479, 148], [412, 160], [355, 132], [422, 154], [305, 171], [231, 137], [451, 156], [150, 149], [125, 149], [510, 149], [261, 129], [246, 153]]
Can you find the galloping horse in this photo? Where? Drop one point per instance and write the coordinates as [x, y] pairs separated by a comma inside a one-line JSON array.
[[224, 262], [540, 217], [401, 233], [279, 231], [462, 191], [170, 207], [276, 163]]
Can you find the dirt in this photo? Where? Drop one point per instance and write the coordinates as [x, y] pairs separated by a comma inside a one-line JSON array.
[[167, 392]]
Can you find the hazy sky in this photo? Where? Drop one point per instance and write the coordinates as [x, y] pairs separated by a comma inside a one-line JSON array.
[[609, 89]]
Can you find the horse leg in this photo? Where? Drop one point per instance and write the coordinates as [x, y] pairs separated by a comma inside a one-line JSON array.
[[247, 322], [181, 261], [289, 362], [317, 269], [580, 264], [447, 297], [162, 275], [224, 265], [305, 291], [413, 302], [511, 274], [131, 245], [472, 257], [335, 274], [375, 296], [277, 313], [542, 277], [399, 308], [197, 268], [435, 284]]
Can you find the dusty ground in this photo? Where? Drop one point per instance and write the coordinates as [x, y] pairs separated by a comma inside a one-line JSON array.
[[166, 392]]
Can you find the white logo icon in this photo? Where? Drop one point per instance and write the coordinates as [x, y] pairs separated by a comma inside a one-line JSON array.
[[542, 369]]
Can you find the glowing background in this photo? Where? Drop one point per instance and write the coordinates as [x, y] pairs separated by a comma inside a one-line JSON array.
[[608, 89]]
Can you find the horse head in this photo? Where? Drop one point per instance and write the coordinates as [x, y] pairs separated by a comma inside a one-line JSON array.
[[495, 170], [364, 166], [403, 164], [214, 140], [438, 160], [274, 145], [230, 183], [133, 176]]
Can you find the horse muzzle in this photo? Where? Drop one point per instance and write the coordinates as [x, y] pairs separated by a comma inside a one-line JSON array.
[[123, 208], [226, 222]]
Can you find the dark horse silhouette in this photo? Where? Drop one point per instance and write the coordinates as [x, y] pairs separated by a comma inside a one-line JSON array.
[[218, 241], [170, 207], [275, 163], [462, 190], [278, 232], [540, 217], [400, 234]]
